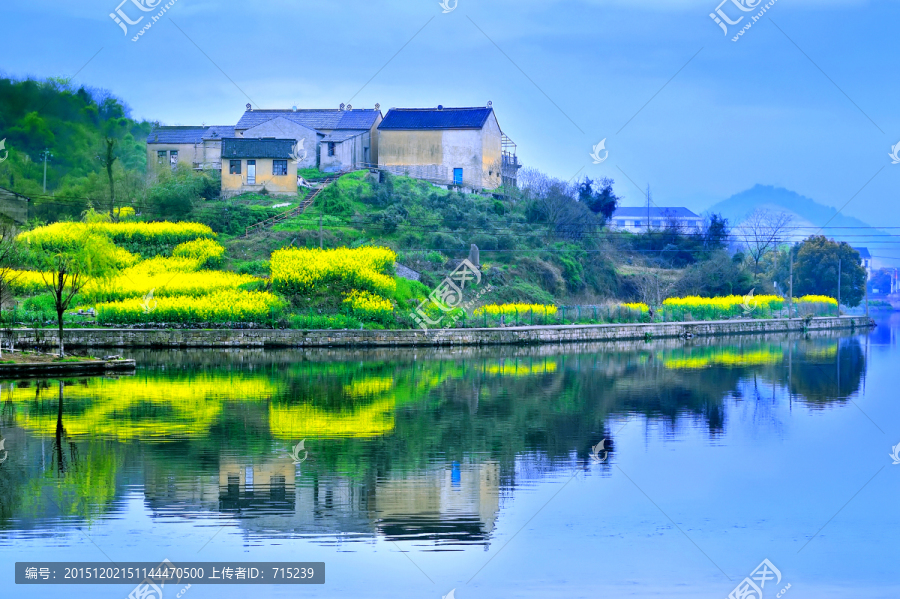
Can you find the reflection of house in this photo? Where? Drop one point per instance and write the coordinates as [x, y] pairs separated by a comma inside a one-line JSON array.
[[458, 503], [332, 140], [196, 147], [254, 165], [455, 503], [268, 486], [13, 206], [635, 219], [449, 146]]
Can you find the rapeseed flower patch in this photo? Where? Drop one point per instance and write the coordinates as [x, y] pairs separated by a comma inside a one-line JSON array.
[[307, 271]]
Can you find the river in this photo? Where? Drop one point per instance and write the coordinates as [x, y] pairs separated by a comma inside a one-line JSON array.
[[667, 468]]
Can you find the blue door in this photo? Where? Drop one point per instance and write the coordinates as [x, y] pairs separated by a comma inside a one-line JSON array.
[[457, 176]]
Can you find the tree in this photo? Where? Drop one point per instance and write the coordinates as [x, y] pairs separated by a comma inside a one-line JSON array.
[[817, 266], [762, 231], [715, 232], [66, 269], [599, 197]]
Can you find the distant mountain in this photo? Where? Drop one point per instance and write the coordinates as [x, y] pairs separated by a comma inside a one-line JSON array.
[[805, 210], [808, 215]]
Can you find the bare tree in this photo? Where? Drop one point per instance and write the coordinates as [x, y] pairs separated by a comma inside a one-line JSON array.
[[762, 231]]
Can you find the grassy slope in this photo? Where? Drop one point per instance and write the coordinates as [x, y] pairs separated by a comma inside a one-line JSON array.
[[429, 227]]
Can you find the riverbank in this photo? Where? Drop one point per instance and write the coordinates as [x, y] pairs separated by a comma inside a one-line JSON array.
[[523, 335], [26, 364]]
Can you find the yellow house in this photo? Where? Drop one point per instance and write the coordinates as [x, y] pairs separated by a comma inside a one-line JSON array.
[[460, 147], [254, 165]]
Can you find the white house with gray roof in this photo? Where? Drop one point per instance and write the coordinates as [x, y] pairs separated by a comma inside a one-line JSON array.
[[337, 139], [635, 220], [197, 147]]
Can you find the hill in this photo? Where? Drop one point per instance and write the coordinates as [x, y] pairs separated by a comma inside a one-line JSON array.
[[807, 212]]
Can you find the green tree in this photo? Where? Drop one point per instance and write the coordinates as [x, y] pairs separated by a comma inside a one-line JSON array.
[[819, 260], [66, 269]]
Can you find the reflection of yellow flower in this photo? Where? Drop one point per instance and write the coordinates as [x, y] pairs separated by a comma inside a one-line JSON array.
[[520, 369], [150, 407], [368, 387], [727, 358], [292, 422]]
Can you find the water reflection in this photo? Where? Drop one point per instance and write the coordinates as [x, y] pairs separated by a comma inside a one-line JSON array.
[[404, 444]]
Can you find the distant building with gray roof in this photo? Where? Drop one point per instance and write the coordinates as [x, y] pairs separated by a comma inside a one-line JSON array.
[[642, 219], [198, 147], [331, 140]]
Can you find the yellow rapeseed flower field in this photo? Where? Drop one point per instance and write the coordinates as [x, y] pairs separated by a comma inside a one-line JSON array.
[[368, 306], [513, 309], [300, 270], [62, 233], [817, 299], [221, 306], [731, 305]]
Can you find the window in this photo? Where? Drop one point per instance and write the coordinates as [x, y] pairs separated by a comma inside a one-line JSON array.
[[234, 167], [637, 223], [279, 167], [160, 156], [251, 172], [457, 176], [173, 157], [657, 223], [331, 148]]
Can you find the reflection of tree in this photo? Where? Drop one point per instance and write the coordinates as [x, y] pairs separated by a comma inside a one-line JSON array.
[[828, 372], [78, 480]]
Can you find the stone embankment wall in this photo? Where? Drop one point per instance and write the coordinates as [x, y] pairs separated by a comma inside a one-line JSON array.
[[168, 338]]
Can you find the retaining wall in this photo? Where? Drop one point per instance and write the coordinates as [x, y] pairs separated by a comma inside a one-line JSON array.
[[103, 337]]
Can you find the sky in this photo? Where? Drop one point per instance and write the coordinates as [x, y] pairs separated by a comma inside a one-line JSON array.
[[805, 99]]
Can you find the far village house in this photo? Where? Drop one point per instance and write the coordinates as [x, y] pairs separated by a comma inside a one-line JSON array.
[[196, 147], [254, 165]]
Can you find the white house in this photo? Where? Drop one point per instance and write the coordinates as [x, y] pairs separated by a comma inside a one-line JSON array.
[[635, 220]]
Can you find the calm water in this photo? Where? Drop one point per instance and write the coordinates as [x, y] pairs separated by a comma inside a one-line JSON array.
[[472, 469]]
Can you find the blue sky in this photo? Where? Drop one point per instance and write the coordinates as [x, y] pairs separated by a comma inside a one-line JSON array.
[[806, 99]]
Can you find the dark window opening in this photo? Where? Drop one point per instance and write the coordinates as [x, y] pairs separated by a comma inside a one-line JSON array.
[[160, 156], [331, 148], [234, 167], [279, 167]]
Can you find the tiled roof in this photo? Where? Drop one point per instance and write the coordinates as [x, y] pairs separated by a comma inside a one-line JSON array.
[[189, 134], [677, 211], [257, 148], [864, 253], [343, 135], [219, 132], [432, 118], [358, 118]]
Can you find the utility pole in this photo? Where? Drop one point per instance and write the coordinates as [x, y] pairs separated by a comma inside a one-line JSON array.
[[867, 294], [648, 207], [791, 292], [46, 154]]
